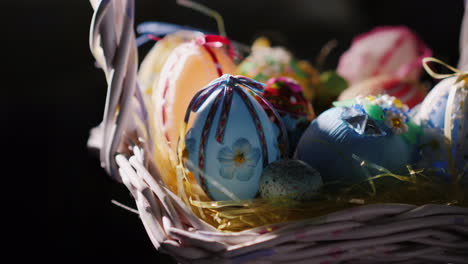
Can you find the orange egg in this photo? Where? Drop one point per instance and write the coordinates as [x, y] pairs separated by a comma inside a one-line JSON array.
[[189, 68], [153, 63]]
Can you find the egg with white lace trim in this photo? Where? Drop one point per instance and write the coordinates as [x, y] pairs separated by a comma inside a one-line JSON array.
[[231, 138]]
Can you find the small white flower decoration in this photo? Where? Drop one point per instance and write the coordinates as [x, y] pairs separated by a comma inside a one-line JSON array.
[[239, 161], [387, 101], [397, 122]]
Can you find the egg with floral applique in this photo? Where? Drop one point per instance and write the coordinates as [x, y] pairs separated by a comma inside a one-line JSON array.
[[373, 129], [285, 95], [231, 138]]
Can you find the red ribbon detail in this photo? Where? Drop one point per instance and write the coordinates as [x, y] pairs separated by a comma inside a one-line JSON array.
[[153, 37], [217, 41]]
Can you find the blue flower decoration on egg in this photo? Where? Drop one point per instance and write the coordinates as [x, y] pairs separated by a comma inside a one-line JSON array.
[[239, 161]]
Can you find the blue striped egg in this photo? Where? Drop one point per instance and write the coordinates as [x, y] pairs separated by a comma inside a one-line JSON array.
[[231, 139]]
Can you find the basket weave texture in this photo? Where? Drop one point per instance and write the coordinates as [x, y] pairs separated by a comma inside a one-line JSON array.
[[400, 233]]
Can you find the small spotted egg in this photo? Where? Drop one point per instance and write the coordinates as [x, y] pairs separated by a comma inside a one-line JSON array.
[[290, 179]]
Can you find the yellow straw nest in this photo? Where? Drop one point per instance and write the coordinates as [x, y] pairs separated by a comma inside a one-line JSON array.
[[417, 187]]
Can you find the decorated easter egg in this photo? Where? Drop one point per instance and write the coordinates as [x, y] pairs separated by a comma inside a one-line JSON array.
[[409, 92], [153, 63], [290, 179], [456, 124], [445, 108], [231, 138], [431, 112], [373, 129], [285, 95], [395, 51], [463, 60], [189, 68], [266, 62]]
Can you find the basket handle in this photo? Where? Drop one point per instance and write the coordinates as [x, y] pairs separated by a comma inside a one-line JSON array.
[[113, 45], [463, 63]]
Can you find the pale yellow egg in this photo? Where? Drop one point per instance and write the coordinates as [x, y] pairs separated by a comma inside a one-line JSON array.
[[154, 61], [189, 68]]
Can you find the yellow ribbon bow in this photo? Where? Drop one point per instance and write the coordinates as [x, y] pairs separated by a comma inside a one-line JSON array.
[[456, 72]]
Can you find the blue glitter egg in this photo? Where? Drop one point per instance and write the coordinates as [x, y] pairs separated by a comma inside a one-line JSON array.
[[334, 136]]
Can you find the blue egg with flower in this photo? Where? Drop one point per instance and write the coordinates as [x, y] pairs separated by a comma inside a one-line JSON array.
[[366, 129], [231, 138]]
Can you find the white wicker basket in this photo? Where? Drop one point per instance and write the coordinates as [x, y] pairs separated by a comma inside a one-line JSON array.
[[401, 233]]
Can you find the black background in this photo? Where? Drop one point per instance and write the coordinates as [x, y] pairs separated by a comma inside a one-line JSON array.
[[55, 95]]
